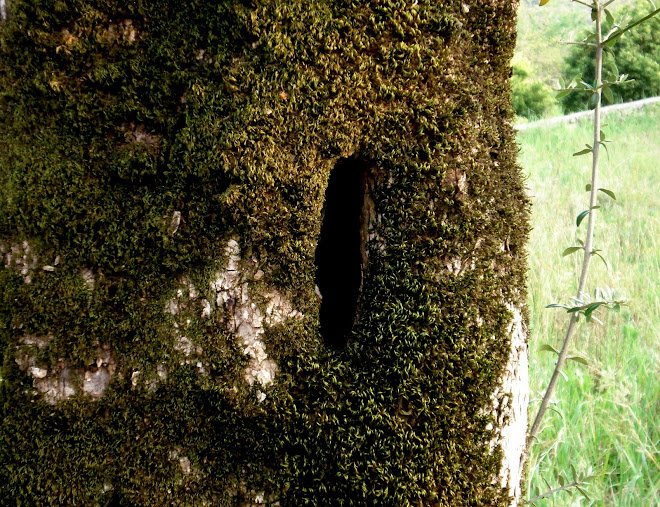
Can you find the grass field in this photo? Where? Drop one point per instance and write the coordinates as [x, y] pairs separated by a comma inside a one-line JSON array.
[[606, 417]]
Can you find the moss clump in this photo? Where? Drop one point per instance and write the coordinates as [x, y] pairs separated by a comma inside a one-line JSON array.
[[137, 138]]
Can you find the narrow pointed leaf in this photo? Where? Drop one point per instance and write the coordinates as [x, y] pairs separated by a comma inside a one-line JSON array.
[[582, 152], [558, 305], [608, 17], [592, 308], [548, 348], [584, 494], [607, 265], [621, 31], [581, 217], [579, 359], [570, 250], [543, 2], [563, 93], [609, 96], [608, 192]]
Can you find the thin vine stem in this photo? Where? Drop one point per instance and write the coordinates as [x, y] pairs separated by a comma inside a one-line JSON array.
[[588, 244]]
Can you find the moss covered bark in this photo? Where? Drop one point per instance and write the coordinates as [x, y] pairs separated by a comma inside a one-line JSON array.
[[163, 167]]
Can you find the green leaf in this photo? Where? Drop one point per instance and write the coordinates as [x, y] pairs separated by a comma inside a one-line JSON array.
[[560, 479], [595, 252], [592, 308], [588, 187], [583, 152], [593, 100], [609, 42], [558, 412], [563, 93], [578, 359], [612, 63], [557, 305], [606, 150], [602, 136], [570, 250], [548, 348], [609, 18], [621, 31], [581, 217], [608, 192], [583, 492]]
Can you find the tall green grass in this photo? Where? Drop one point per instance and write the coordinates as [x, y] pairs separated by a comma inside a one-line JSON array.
[[606, 417]]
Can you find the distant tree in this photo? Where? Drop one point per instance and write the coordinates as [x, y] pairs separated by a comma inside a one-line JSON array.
[[636, 54], [530, 98]]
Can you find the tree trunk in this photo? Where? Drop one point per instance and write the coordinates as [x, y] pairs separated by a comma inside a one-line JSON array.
[[260, 253]]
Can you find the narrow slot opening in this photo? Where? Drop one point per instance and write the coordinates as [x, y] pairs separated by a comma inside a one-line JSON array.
[[340, 256]]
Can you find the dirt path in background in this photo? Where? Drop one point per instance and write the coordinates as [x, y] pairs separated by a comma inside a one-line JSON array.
[[572, 118]]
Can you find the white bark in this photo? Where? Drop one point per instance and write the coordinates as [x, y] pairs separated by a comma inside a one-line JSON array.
[[510, 403]]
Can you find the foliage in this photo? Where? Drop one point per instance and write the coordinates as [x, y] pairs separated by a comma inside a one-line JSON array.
[[531, 99], [635, 54], [601, 40], [604, 420]]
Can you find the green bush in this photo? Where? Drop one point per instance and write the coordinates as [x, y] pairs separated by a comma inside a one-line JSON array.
[[635, 53], [530, 99]]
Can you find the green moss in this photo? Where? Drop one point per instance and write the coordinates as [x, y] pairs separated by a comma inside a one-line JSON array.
[[115, 115]]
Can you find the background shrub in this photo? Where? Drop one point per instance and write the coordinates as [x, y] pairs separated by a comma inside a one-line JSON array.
[[635, 53], [531, 98]]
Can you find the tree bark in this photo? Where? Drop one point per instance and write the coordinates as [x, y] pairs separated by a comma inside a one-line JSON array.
[[262, 253]]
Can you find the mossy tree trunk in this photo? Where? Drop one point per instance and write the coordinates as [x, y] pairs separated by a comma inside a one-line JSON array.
[[260, 252]]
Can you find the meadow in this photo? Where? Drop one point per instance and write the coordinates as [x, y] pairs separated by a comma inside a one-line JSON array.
[[605, 418]]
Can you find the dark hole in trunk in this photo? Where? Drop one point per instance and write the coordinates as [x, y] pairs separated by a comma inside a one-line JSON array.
[[340, 250]]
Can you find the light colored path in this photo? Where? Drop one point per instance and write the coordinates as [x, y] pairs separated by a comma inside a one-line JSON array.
[[572, 118]]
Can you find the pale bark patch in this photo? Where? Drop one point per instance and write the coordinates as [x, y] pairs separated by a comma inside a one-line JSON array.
[[20, 258], [60, 382], [246, 318], [510, 403], [230, 294]]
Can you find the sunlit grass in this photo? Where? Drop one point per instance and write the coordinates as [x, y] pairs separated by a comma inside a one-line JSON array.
[[606, 419]]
